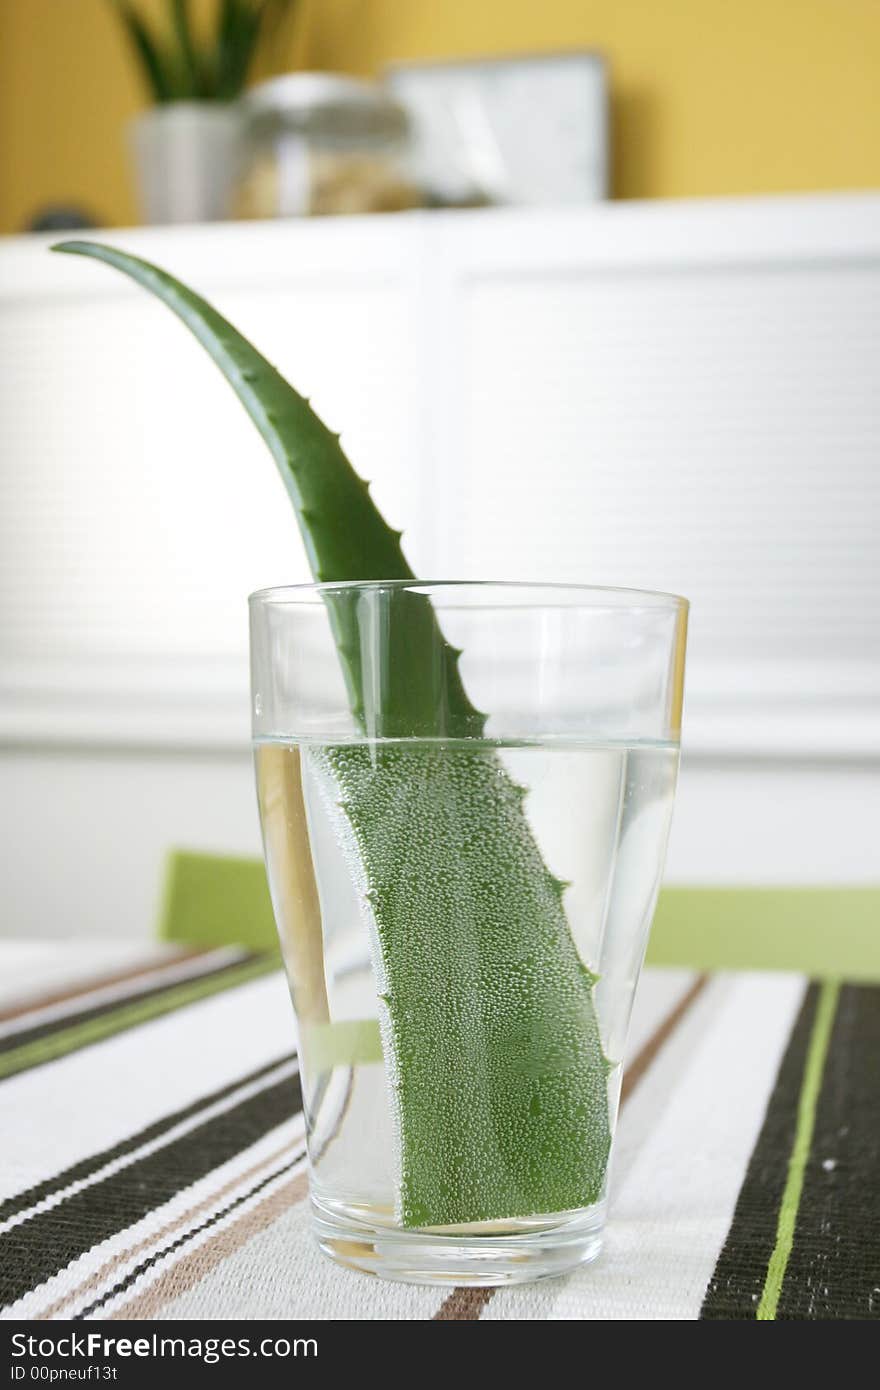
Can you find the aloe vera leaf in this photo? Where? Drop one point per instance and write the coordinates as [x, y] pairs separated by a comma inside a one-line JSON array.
[[498, 1083], [345, 536], [489, 1033]]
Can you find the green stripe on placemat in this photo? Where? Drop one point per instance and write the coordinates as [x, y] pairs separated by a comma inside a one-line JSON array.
[[818, 932], [804, 1240], [737, 1283], [146, 985], [806, 1120], [130, 1015], [833, 1267]]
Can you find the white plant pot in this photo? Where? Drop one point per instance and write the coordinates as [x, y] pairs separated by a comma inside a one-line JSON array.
[[187, 160]]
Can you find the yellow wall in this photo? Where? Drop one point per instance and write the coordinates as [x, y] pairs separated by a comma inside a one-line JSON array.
[[710, 96]]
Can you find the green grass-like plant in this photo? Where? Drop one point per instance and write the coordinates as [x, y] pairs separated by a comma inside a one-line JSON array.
[[178, 63]]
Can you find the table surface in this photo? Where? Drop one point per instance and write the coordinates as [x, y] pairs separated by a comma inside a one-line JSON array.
[[153, 1158]]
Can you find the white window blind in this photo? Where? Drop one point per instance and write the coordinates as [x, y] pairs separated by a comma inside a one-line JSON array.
[[681, 396]]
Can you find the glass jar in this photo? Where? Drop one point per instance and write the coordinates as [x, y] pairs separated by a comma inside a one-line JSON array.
[[323, 143]]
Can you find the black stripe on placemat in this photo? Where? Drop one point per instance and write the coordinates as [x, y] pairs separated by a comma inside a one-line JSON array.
[[737, 1283], [30, 1196], [75, 1018], [184, 1239], [48, 1241], [833, 1270]]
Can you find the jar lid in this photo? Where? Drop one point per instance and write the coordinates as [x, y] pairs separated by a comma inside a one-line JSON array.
[[322, 105]]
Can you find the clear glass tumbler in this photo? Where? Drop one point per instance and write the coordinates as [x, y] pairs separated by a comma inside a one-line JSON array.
[[465, 793]]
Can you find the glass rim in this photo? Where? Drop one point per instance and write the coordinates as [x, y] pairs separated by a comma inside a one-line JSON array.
[[627, 597]]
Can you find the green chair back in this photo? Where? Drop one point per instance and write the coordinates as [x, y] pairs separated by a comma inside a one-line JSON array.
[[214, 900], [217, 900], [818, 931]]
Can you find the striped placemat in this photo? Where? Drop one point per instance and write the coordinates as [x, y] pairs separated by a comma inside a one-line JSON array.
[[153, 1156]]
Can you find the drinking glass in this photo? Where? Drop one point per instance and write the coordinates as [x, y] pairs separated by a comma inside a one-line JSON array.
[[465, 794]]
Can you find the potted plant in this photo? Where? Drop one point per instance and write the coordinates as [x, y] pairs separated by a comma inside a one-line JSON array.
[[187, 147]]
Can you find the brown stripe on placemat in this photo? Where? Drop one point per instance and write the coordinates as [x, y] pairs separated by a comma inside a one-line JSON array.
[[463, 1305], [92, 1284], [189, 1271], [467, 1304], [646, 1055], [91, 986], [129, 1280], [49, 1240], [38, 1031]]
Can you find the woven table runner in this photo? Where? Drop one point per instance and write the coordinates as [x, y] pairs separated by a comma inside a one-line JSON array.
[[153, 1152]]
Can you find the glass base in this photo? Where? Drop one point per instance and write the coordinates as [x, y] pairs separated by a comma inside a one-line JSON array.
[[518, 1253]]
